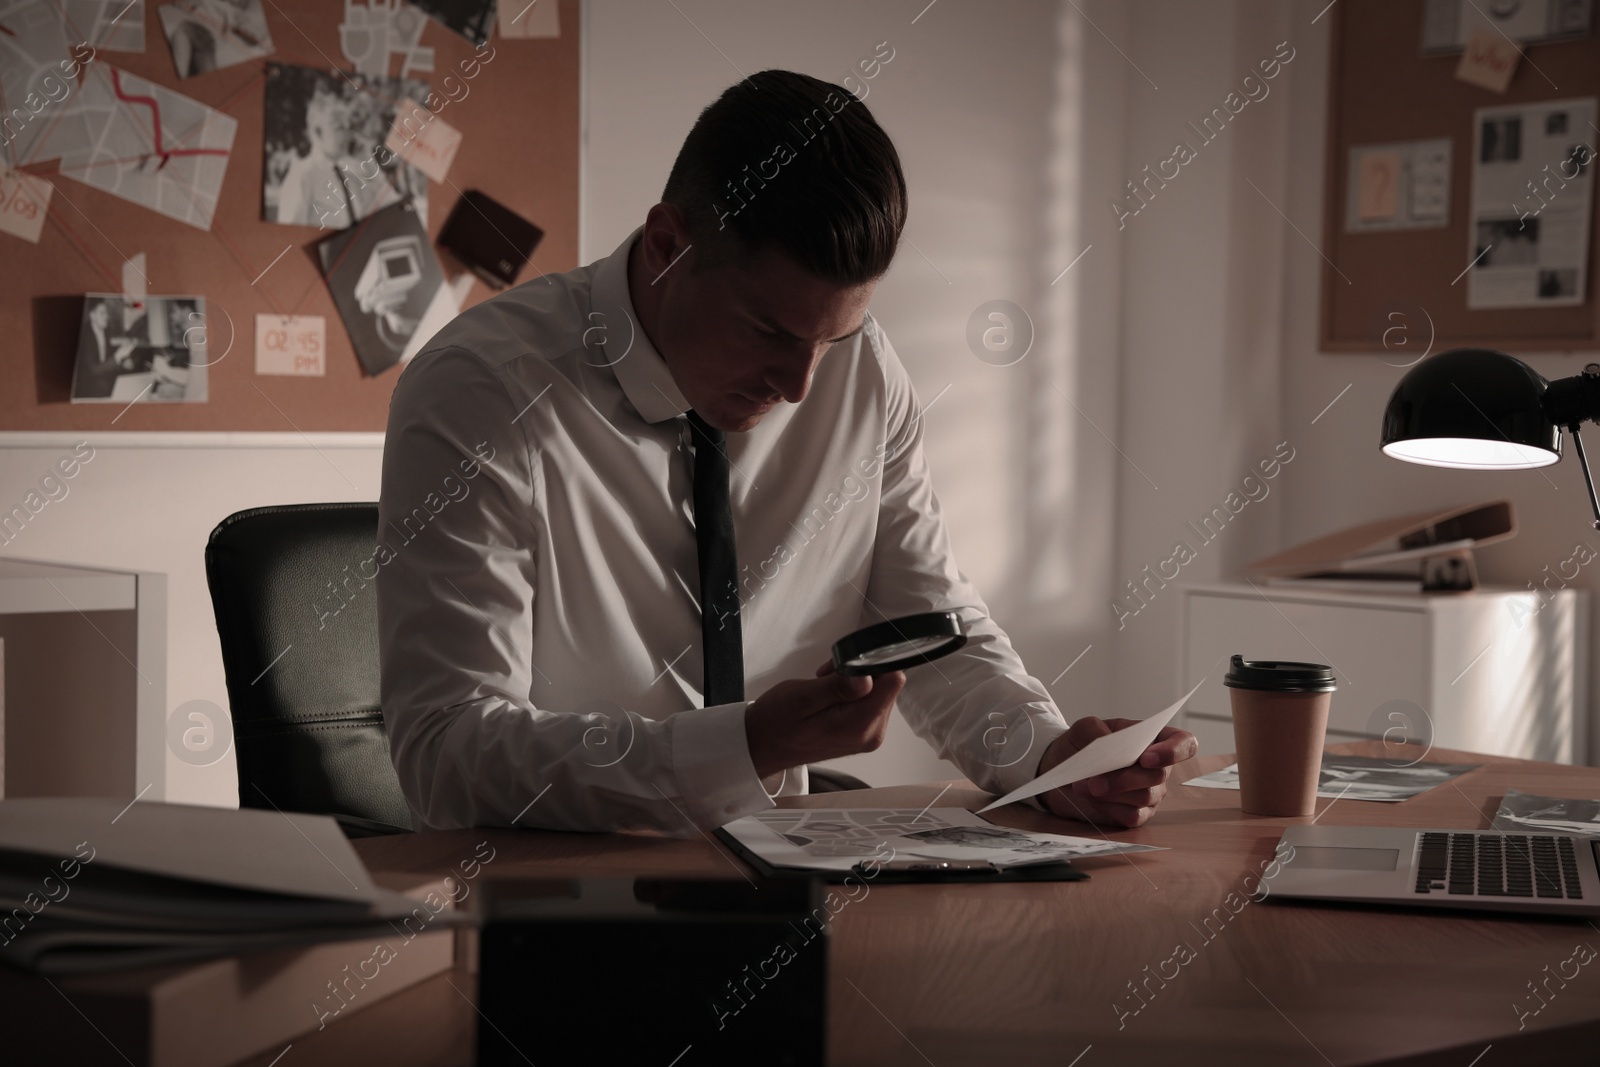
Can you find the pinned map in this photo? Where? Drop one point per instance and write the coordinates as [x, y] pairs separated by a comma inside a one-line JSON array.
[[112, 25], [38, 77], [148, 144]]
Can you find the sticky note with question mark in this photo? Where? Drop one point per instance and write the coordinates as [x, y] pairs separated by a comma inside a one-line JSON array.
[[1378, 184]]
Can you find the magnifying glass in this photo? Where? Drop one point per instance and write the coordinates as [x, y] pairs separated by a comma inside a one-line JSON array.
[[899, 643]]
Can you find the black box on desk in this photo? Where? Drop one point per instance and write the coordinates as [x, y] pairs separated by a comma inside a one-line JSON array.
[[622, 970]]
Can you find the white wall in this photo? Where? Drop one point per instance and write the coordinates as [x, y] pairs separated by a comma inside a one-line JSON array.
[[152, 508], [1344, 479]]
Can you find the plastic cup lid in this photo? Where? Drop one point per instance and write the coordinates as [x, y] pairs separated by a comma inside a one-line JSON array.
[[1280, 676]]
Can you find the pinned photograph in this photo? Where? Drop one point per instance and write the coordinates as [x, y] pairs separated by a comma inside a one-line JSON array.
[[208, 35], [325, 161], [388, 286], [1501, 140], [1507, 243], [146, 351], [472, 19]]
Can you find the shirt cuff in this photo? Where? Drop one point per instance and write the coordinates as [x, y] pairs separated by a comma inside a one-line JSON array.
[[1026, 770], [717, 781]]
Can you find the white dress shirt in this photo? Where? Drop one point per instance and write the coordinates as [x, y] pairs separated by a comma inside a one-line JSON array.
[[538, 584]]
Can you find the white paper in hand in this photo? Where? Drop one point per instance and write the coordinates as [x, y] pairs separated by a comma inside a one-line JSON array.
[[1112, 752]]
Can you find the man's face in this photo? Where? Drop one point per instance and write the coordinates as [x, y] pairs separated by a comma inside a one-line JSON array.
[[328, 130], [742, 337], [99, 315]]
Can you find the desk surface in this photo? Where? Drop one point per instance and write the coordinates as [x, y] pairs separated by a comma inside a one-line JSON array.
[[1027, 973]]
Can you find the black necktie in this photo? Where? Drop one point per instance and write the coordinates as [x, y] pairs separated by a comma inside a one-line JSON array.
[[721, 638]]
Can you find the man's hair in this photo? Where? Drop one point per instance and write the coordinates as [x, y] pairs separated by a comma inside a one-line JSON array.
[[786, 161]]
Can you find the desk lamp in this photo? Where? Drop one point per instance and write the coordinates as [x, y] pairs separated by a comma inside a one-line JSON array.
[[1480, 409]]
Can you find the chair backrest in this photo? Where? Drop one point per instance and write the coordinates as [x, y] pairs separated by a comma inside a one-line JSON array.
[[297, 617]]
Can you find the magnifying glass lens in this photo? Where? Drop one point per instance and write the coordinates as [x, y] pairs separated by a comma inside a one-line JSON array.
[[899, 643], [920, 646]]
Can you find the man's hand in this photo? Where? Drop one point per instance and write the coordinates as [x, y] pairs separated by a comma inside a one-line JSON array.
[[1123, 798], [804, 720]]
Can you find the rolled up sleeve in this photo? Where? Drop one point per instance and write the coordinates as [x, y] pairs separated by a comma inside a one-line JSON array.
[[977, 707]]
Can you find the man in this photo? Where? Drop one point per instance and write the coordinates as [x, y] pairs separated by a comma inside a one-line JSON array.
[[101, 357], [315, 191], [566, 462]]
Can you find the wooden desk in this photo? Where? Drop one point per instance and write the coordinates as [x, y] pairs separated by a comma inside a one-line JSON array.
[[1031, 973]]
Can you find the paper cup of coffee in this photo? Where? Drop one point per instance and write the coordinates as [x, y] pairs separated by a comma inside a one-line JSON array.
[[1280, 712]]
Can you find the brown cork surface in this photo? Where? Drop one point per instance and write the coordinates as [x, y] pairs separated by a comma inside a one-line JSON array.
[[519, 125], [1381, 89]]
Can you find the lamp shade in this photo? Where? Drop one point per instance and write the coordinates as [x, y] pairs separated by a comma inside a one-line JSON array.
[[1474, 408]]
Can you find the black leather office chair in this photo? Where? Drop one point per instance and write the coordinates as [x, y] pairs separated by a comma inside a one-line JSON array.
[[299, 632], [298, 625]]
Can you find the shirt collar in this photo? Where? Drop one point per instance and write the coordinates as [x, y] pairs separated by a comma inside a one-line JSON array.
[[643, 374]]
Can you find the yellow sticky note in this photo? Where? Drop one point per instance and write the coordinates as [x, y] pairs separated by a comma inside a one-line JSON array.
[[1489, 60], [24, 200], [291, 344], [529, 18], [423, 139]]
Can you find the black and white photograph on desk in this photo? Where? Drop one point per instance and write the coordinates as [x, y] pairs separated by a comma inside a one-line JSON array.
[[1359, 778], [1562, 815], [141, 351], [324, 160], [388, 286], [207, 35]]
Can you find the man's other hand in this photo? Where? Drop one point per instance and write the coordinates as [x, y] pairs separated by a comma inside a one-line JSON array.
[[804, 720], [1123, 798]]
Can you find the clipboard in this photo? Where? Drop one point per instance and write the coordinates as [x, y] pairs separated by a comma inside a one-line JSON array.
[[922, 871]]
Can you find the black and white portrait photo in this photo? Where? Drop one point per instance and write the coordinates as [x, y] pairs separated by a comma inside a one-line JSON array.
[[208, 35], [1501, 141], [324, 160], [1507, 243], [144, 351]]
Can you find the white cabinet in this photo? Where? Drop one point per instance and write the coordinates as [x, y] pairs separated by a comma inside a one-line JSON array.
[[84, 709], [1489, 671]]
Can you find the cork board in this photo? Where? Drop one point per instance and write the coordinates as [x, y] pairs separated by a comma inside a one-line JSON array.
[[1382, 89], [519, 123]]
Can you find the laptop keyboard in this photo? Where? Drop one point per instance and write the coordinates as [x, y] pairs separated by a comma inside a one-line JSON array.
[[1497, 865]]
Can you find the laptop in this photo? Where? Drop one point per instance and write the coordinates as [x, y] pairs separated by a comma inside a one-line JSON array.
[[1480, 870]]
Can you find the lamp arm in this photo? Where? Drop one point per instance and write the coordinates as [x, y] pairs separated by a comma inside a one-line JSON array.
[[1583, 462], [1569, 402]]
